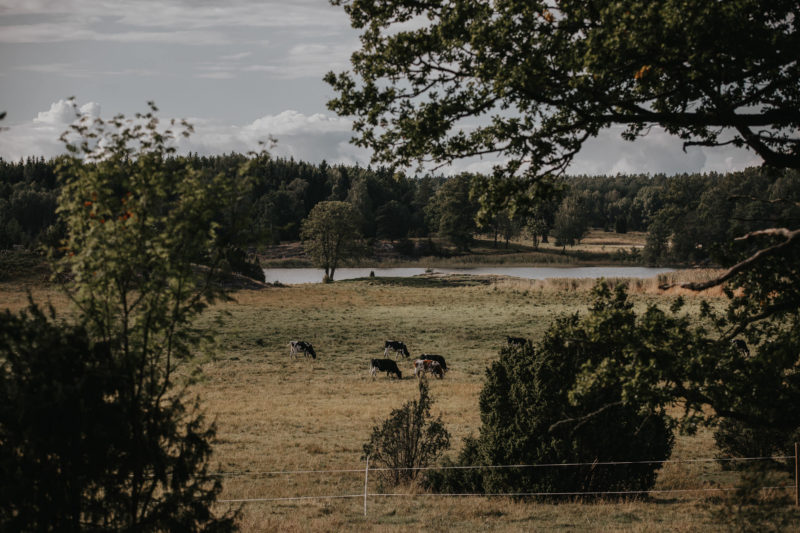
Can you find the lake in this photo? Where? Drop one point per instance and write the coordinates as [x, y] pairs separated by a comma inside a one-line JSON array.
[[294, 276]]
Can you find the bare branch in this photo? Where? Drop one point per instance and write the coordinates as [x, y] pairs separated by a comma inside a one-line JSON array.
[[791, 237]]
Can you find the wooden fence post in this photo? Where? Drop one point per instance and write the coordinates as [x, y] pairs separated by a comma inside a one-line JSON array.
[[366, 478]]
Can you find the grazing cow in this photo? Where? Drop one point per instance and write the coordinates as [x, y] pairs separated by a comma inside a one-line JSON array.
[[384, 365], [397, 347], [516, 341], [422, 366], [303, 347], [438, 358], [740, 345]]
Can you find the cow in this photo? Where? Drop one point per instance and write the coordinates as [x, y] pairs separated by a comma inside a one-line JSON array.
[[740, 345], [438, 358], [384, 365], [397, 347], [303, 347], [422, 366], [518, 342]]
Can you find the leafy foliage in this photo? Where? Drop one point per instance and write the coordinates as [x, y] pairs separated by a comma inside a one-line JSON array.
[[407, 440], [453, 212], [331, 235], [570, 224], [138, 261], [535, 409], [80, 452], [536, 79]]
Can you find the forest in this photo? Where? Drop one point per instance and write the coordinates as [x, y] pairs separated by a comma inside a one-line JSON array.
[[689, 218]]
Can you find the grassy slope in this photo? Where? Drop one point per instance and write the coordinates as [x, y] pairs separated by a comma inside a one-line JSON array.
[[279, 414]]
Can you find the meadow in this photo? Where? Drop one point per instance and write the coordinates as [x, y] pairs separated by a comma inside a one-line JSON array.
[[274, 413]]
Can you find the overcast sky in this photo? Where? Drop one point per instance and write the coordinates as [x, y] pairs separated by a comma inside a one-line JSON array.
[[240, 71]]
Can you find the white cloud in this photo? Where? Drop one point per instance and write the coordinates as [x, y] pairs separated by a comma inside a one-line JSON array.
[[318, 136], [40, 136], [657, 152], [305, 137]]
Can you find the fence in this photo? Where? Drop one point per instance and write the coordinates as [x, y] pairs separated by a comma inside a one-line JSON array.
[[367, 469]]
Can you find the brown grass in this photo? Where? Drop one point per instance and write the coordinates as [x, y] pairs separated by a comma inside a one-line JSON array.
[[276, 414]]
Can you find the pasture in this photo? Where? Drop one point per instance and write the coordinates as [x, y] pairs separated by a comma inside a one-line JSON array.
[[274, 413]]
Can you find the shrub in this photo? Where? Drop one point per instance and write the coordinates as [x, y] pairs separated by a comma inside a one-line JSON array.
[[534, 412], [409, 439], [70, 444]]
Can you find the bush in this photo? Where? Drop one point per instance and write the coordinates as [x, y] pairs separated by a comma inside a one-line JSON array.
[[532, 413], [70, 445], [409, 439]]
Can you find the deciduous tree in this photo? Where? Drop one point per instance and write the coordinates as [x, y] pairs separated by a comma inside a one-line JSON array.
[[331, 235], [536, 79], [138, 261]]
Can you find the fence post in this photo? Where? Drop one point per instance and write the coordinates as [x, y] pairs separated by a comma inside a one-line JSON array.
[[796, 477], [366, 478]]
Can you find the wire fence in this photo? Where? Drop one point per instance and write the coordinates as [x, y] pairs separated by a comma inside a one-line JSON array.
[[575, 494], [489, 467]]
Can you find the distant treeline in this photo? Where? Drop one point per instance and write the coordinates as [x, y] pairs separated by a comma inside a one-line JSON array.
[[688, 217]]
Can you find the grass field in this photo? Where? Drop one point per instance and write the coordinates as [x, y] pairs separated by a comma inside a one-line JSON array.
[[277, 414]]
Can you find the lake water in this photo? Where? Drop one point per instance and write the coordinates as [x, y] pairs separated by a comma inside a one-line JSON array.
[[294, 276]]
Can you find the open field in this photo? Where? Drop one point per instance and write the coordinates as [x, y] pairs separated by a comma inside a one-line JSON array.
[[277, 414]]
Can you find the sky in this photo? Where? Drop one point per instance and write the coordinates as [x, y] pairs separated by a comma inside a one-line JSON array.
[[241, 71]]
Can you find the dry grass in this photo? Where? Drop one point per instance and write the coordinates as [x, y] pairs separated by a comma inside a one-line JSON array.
[[274, 413]]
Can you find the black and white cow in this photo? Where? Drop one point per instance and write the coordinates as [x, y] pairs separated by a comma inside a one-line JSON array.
[[516, 341], [384, 365], [296, 347], [397, 347], [422, 366], [438, 358]]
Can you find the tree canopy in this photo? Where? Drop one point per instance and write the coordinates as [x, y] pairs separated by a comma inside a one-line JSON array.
[[531, 81], [330, 235]]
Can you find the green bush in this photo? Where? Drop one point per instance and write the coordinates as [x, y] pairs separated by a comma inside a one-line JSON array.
[[409, 439], [533, 411], [73, 440]]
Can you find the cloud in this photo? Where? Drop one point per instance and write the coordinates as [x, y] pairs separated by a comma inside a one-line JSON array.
[[163, 21], [40, 136], [305, 137], [657, 152], [72, 30], [310, 138], [80, 70], [318, 136]]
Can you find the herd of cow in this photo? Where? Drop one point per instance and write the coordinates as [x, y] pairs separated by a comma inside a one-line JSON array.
[[426, 364]]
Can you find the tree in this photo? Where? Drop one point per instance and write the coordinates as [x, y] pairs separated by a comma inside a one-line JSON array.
[[453, 212], [408, 440], [533, 411], [538, 78], [392, 220], [139, 262], [570, 223], [330, 235]]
